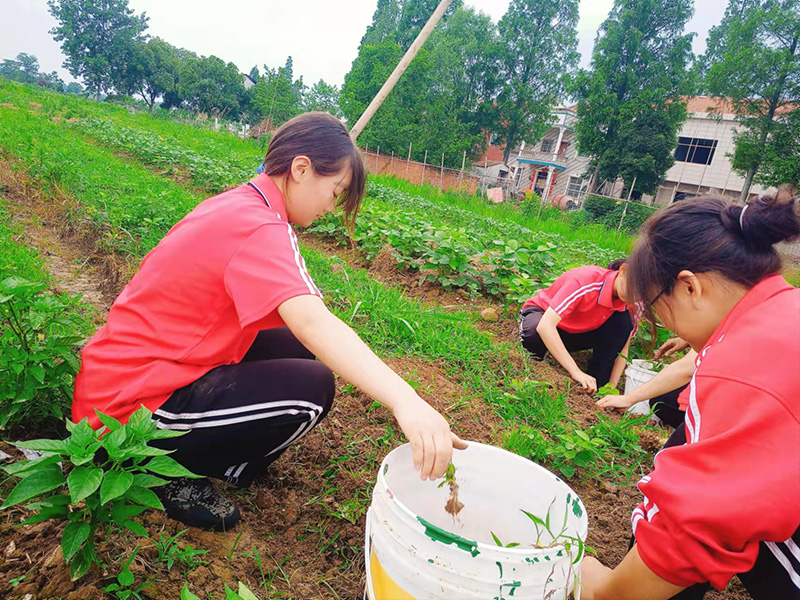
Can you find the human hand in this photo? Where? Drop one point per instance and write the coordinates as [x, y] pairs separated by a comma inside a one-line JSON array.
[[593, 575], [430, 437], [618, 401], [587, 382], [670, 347]]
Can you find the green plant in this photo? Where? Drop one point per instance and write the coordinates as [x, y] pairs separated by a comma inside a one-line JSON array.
[[123, 588], [608, 389], [499, 543], [41, 333], [170, 552], [577, 449], [242, 593], [268, 577], [103, 489]]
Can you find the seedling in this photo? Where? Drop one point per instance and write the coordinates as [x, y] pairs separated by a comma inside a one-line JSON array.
[[453, 506], [607, 390], [123, 589], [170, 552]]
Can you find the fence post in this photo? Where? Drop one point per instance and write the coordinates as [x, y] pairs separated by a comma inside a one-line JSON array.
[[424, 164], [625, 209], [408, 160], [441, 173], [376, 158], [391, 163], [461, 174]]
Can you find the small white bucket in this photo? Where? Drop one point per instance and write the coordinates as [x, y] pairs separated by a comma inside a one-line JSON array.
[[416, 550], [636, 374]]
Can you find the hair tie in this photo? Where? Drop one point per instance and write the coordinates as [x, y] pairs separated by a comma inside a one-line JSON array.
[[741, 217]]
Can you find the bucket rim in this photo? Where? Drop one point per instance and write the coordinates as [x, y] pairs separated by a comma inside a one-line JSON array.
[[485, 546]]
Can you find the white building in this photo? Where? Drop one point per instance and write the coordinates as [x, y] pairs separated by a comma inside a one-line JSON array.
[[553, 168]]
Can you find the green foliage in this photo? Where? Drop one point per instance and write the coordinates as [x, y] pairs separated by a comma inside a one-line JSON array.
[[123, 588], [94, 36], [170, 553], [630, 106], [609, 213], [324, 97], [753, 59], [277, 97], [25, 69], [537, 50], [103, 489], [242, 593], [40, 336], [607, 390]]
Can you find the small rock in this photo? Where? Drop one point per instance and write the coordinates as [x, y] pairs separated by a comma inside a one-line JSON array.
[[11, 548], [489, 314]]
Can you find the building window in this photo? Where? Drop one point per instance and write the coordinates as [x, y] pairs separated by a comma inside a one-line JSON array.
[[503, 174], [548, 145], [695, 150], [575, 187], [494, 140]]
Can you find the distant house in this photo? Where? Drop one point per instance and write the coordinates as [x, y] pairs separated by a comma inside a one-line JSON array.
[[553, 166], [248, 81]]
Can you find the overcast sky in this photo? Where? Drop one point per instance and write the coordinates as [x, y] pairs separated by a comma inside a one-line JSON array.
[[321, 36]]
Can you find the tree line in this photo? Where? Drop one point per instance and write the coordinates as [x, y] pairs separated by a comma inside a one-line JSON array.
[[475, 77]]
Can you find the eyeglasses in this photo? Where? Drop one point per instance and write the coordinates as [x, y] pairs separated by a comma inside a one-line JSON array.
[[654, 300]]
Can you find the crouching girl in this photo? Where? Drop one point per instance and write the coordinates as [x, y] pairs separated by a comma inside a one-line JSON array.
[[223, 334], [726, 502], [585, 308]]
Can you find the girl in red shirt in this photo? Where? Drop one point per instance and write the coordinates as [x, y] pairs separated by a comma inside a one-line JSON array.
[[584, 309], [724, 500], [223, 334]]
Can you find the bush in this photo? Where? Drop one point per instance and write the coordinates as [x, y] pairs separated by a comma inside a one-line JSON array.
[[608, 212]]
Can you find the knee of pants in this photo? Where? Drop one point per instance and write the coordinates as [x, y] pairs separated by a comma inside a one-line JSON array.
[[321, 386]]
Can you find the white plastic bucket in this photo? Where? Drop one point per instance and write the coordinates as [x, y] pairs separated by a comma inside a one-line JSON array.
[[636, 374], [415, 550]]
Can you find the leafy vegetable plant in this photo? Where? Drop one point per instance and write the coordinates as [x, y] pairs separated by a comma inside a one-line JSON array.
[[109, 481]]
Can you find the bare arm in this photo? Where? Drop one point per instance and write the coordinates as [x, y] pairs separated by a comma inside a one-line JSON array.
[[547, 330], [619, 365], [340, 348], [673, 376], [631, 580]]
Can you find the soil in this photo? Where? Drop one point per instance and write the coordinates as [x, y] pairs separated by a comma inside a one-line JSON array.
[[301, 534]]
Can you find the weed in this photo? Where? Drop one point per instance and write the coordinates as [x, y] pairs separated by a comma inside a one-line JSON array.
[[123, 588], [169, 552]]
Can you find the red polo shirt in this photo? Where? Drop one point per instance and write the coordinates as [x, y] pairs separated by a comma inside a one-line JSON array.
[[583, 297], [196, 303], [736, 482]]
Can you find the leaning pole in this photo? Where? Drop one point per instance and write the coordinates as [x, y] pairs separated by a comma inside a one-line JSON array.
[[399, 69]]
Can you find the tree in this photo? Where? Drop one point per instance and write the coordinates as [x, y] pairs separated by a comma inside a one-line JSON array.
[[73, 87], [630, 104], [94, 35], [149, 69], [753, 59], [209, 85], [323, 96], [780, 162], [384, 23], [277, 96], [25, 68], [539, 49]]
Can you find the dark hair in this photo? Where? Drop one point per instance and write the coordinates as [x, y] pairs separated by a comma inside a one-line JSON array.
[[614, 265], [710, 234], [326, 142]]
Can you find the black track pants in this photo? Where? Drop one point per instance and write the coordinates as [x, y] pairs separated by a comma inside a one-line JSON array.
[[241, 417], [605, 342]]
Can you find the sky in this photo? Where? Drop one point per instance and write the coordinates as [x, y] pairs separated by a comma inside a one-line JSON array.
[[321, 36]]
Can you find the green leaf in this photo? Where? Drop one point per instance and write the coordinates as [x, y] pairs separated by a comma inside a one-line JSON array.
[[83, 481], [125, 512], [82, 562], [115, 483], [22, 468], [186, 594], [75, 534], [136, 528], [37, 372], [112, 441], [37, 483], [245, 593], [108, 421], [57, 446], [148, 481], [230, 594], [125, 578], [144, 496], [169, 467]]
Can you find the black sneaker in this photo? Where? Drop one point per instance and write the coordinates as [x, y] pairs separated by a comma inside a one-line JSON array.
[[197, 503]]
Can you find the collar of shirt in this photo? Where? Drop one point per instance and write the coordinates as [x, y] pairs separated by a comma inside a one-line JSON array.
[[759, 293], [606, 296], [267, 187]]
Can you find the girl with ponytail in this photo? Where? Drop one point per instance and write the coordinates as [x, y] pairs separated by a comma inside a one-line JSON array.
[[723, 499]]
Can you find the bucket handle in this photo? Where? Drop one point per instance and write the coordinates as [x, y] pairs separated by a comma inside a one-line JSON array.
[[369, 592]]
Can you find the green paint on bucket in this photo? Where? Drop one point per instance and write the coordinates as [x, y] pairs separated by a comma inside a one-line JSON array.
[[437, 534], [576, 508], [500, 566], [430, 560], [385, 469]]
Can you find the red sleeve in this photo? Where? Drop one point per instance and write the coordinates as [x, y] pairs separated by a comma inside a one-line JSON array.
[[265, 271], [569, 289], [708, 504]]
